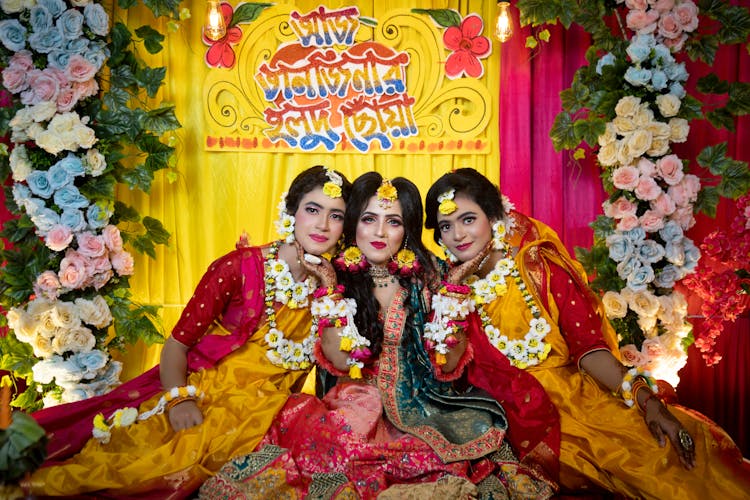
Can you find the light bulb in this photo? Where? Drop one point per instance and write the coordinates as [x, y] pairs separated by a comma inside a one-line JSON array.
[[215, 27], [503, 22]]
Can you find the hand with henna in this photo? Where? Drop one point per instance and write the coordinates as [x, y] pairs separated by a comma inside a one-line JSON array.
[[319, 267], [662, 424], [459, 273]]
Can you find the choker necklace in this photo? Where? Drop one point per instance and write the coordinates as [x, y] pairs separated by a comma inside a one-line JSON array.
[[380, 276]]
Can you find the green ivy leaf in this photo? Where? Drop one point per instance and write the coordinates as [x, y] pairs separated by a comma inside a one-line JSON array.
[[563, 133], [712, 84], [739, 98], [152, 39], [125, 213], [116, 98], [120, 38], [538, 12], [735, 24], [155, 230], [708, 200], [590, 130], [99, 188], [247, 12], [143, 244], [713, 157], [126, 4], [702, 49], [690, 109], [122, 77], [163, 7], [443, 17], [161, 120], [150, 79], [531, 42], [721, 118], [139, 178]]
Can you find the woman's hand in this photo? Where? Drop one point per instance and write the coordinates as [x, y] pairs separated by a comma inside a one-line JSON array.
[[459, 273], [185, 415], [317, 266], [663, 424]]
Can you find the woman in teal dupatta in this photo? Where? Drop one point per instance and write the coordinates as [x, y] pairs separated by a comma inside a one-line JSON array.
[[387, 423]]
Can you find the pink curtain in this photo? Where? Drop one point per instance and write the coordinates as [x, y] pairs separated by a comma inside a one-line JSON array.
[[567, 194]]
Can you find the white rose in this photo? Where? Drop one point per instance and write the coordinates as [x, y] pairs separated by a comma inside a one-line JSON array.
[[43, 111], [609, 135], [614, 305], [643, 117], [659, 130], [679, 129], [94, 312], [623, 125], [19, 163], [42, 346], [623, 152], [22, 119], [644, 303], [65, 316], [46, 325], [627, 106], [94, 162], [79, 339], [607, 155], [84, 136], [638, 143], [48, 141], [659, 147], [669, 105]]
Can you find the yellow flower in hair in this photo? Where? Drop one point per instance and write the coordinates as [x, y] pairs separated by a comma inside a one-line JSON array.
[[446, 204], [386, 193], [332, 190], [345, 344]]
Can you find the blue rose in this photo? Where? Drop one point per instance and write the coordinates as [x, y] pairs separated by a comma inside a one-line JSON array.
[[73, 165], [676, 72], [675, 252], [667, 277], [620, 247], [77, 46], [677, 90], [90, 362], [96, 18], [39, 184], [639, 279], [70, 197], [96, 56], [658, 79], [46, 41], [662, 55], [34, 206], [59, 177], [45, 219], [636, 235], [55, 7], [628, 267], [607, 59], [73, 218], [71, 24], [12, 35], [40, 19], [98, 216], [638, 52], [637, 77], [650, 251], [692, 256], [671, 232], [58, 59], [21, 194]]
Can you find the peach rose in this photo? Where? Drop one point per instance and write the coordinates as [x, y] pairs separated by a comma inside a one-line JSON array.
[[683, 216], [664, 205], [74, 270], [686, 14], [663, 5], [652, 348], [98, 280], [122, 262], [651, 221], [670, 169], [622, 207], [669, 26], [58, 238], [647, 189], [627, 223], [675, 44], [90, 245], [646, 167], [636, 4], [631, 356], [643, 22], [625, 178], [112, 238]]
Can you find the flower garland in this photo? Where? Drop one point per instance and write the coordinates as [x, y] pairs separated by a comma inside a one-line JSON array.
[[281, 287], [66, 277]]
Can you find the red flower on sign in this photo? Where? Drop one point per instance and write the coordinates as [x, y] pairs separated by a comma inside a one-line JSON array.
[[468, 47], [220, 53]]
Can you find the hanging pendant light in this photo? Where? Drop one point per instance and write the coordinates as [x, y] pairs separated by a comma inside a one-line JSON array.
[[214, 28], [503, 22]]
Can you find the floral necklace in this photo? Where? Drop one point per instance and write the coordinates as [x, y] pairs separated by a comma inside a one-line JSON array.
[[281, 287], [522, 353]]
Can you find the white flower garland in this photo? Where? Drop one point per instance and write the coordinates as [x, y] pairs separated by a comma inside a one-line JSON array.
[[285, 223]]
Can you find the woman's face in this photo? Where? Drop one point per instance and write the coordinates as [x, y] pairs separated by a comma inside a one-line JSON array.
[[380, 231], [467, 230], [319, 222]]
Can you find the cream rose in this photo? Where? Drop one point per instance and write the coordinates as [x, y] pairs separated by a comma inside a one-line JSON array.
[[609, 135], [659, 130], [643, 117], [644, 303], [607, 155], [94, 312], [79, 339], [65, 315], [614, 305], [623, 124], [42, 347], [639, 142], [668, 104], [678, 129], [659, 147], [94, 162], [627, 106]]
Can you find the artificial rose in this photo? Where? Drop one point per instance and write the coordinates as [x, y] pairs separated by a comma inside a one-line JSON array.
[[663, 5], [669, 26], [686, 14], [94, 312], [663, 204], [644, 303], [78, 339], [59, 238], [678, 129], [47, 284], [651, 221], [112, 238], [607, 155], [609, 135], [631, 356], [647, 189], [42, 347], [622, 207], [642, 22], [652, 348], [627, 106], [623, 124], [659, 130], [659, 147], [90, 245], [122, 262], [639, 142], [670, 169], [95, 163], [74, 270], [65, 315], [614, 305], [668, 104], [628, 222], [625, 178], [643, 117]]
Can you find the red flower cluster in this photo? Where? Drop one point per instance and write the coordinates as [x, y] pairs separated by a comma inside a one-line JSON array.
[[723, 271]]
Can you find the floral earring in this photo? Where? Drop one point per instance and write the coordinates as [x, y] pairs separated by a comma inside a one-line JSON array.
[[285, 223], [448, 255], [351, 259], [404, 263]]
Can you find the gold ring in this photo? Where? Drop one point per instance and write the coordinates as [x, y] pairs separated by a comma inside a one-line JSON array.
[[685, 440]]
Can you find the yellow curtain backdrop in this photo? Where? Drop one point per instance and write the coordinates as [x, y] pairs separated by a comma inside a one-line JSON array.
[[218, 195]]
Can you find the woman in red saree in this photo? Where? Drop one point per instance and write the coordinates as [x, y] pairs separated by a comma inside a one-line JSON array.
[[241, 346]]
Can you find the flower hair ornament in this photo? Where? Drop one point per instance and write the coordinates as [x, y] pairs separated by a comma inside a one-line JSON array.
[[386, 194], [285, 223], [446, 205], [332, 188], [351, 260]]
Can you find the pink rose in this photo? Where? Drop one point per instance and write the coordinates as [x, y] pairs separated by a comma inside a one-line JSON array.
[[687, 15], [632, 356], [86, 89], [675, 44], [663, 5], [692, 185], [80, 69], [98, 280], [112, 238], [59, 75], [670, 169], [679, 194], [42, 87], [683, 216], [623, 207], [90, 245], [47, 285], [652, 349], [647, 189], [669, 26], [101, 264], [58, 238], [66, 99], [74, 270], [122, 262], [627, 223], [14, 79], [646, 167], [636, 4], [625, 178], [651, 221], [643, 22], [22, 60], [663, 204]]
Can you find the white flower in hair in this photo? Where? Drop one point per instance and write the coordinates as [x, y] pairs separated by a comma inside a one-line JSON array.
[[285, 223]]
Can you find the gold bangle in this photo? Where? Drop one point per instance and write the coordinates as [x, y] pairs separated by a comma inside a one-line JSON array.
[[171, 404]]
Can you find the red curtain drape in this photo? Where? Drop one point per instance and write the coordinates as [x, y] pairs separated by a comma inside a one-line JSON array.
[[567, 194]]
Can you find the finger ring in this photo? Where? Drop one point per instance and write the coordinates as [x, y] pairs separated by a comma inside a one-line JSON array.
[[685, 440]]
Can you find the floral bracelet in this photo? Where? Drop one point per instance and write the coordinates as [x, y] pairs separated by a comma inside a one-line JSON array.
[[629, 380], [448, 323]]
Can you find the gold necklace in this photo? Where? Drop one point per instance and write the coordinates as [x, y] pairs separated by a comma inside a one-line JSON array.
[[381, 277]]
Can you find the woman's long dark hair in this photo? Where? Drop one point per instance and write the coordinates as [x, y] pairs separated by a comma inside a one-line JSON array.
[[468, 182], [359, 286]]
